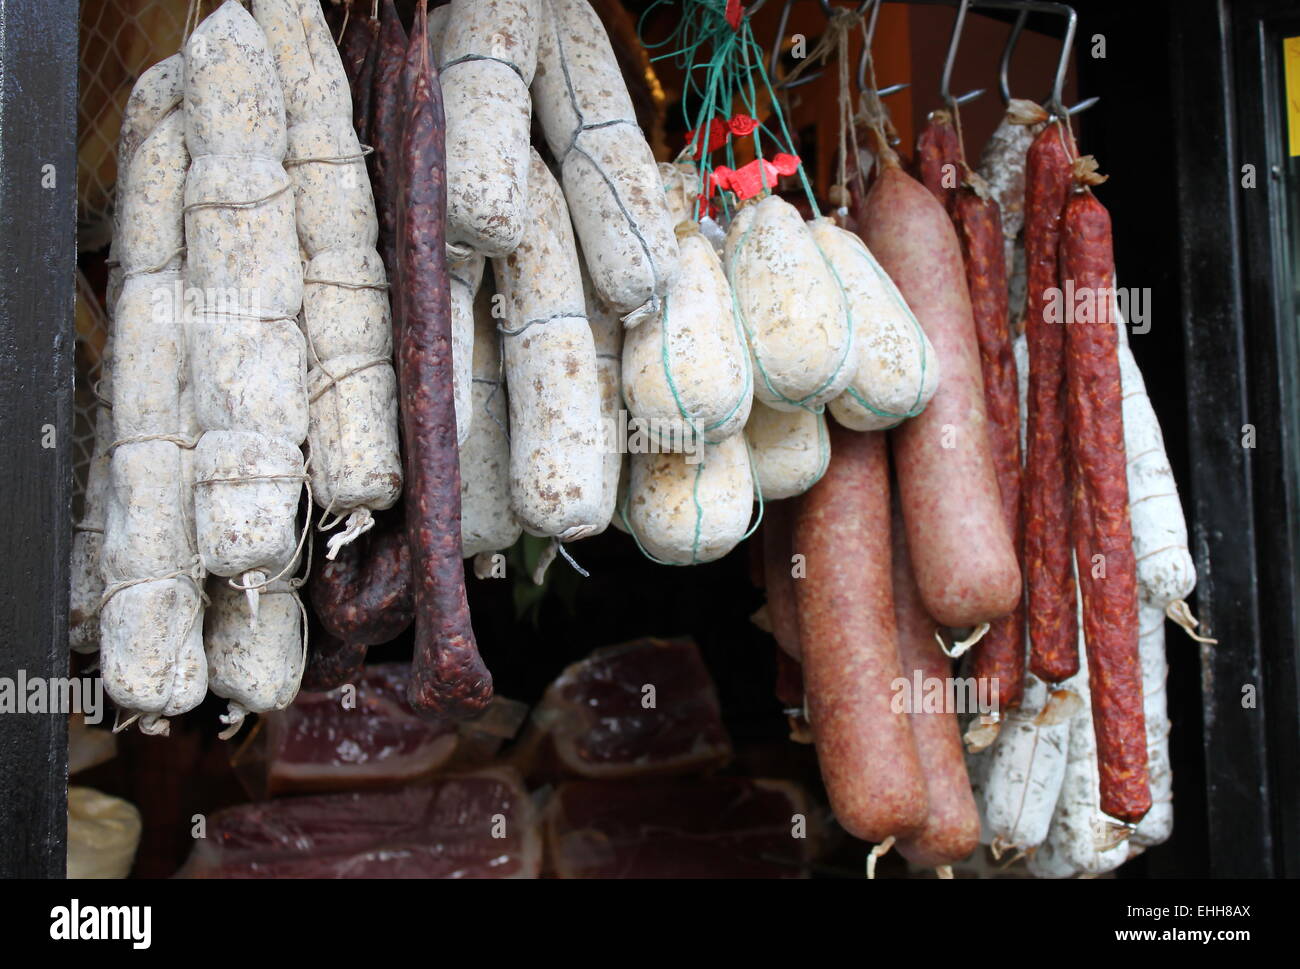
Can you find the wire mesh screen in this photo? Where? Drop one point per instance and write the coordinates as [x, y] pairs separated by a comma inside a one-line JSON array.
[[119, 40]]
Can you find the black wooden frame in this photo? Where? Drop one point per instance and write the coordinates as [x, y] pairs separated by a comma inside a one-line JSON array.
[[1273, 363], [38, 183], [1239, 333]]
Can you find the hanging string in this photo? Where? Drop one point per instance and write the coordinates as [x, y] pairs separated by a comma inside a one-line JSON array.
[[718, 65], [191, 21]]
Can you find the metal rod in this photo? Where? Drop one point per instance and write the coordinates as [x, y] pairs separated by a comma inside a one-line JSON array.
[[866, 53], [1024, 7], [954, 40], [1004, 65]]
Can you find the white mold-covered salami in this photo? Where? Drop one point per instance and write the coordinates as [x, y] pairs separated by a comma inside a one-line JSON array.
[[347, 319], [466, 277], [233, 98], [247, 353], [87, 582], [156, 94], [352, 390], [556, 465], [256, 665], [609, 173], [239, 228], [1158, 824], [1165, 569], [439, 17], [152, 614], [159, 90], [240, 366], [793, 309], [791, 450], [487, 57], [687, 369], [351, 451], [607, 334], [486, 522], [1026, 766], [685, 509], [159, 626], [252, 480], [897, 369], [681, 190], [1048, 861]]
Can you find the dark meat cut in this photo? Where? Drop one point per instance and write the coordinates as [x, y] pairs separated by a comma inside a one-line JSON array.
[[477, 825], [366, 735], [334, 741], [640, 708], [717, 827]]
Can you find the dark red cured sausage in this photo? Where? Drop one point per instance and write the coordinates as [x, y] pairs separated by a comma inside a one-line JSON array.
[[1107, 570], [777, 578], [448, 677], [331, 662], [385, 134], [938, 158], [363, 596], [1000, 655], [1049, 577], [962, 553], [359, 50], [952, 829], [866, 752]]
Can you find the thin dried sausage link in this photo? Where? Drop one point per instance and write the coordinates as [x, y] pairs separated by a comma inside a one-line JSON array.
[[364, 594], [386, 133], [1049, 576], [331, 662], [938, 158], [448, 677], [1000, 655], [359, 50], [363, 597], [1104, 547]]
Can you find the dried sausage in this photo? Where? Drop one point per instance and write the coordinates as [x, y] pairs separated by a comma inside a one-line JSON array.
[[1049, 577], [849, 649], [1104, 537], [961, 548], [448, 678], [1000, 655]]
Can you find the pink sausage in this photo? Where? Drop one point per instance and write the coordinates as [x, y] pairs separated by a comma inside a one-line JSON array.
[[845, 603], [952, 830], [961, 548]]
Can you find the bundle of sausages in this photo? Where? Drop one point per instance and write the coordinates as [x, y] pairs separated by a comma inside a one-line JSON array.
[[1072, 775], [1006, 492]]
